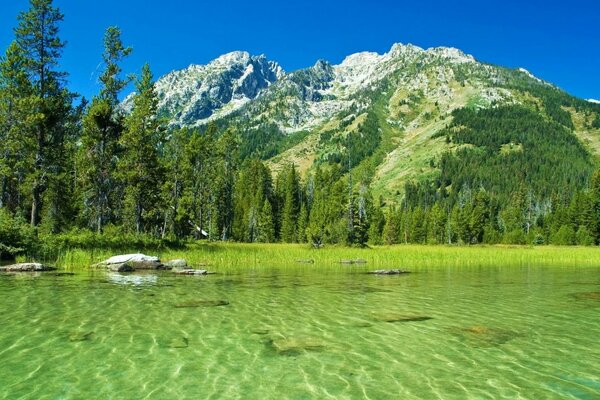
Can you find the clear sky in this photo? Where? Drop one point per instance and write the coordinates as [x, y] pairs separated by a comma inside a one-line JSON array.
[[556, 40]]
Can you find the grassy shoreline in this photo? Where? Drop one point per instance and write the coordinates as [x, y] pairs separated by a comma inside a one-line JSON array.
[[226, 256]]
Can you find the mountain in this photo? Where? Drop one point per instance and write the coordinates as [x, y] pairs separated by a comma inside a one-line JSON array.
[[203, 92], [391, 118]]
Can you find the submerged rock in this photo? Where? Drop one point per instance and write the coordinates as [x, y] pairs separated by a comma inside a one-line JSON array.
[[202, 303], [81, 337], [295, 346], [587, 296], [388, 272], [357, 261], [190, 271], [260, 331], [27, 267], [179, 343], [393, 317], [483, 336]]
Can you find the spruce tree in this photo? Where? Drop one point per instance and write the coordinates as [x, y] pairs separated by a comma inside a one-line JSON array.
[[139, 169], [103, 125], [16, 120], [266, 227], [41, 48], [291, 204]]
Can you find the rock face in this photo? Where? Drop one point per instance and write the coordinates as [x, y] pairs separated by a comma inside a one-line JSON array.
[[203, 92], [26, 267]]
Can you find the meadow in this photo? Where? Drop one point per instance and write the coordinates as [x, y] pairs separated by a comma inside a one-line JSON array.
[[225, 256]]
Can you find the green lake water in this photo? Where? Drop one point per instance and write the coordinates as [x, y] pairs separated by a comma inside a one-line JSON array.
[[303, 332]]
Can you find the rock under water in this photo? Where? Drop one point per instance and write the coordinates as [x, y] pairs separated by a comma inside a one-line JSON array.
[[293, 346], [587, 296], [394, 317], [484, 336], [202, 303]]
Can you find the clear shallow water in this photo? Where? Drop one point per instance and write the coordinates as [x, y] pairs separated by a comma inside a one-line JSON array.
[[302, 332]]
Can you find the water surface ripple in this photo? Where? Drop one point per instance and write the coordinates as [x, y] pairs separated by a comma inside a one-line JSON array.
[[303, 332]]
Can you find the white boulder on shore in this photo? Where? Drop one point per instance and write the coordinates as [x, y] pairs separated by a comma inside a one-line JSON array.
[[121, 259]]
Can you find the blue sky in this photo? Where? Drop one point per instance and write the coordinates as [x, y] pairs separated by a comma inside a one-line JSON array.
[[557, 41]]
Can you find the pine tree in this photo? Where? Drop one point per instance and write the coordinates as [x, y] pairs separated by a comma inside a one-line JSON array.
[[16, 120], [391, 229], [139, 168], [103, 125], [40, 46], [266, 227], [291, 204]]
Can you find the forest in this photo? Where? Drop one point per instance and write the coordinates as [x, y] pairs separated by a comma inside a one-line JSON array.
[[79, 172]]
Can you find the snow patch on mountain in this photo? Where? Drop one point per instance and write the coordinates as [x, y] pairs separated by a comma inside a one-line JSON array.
[[593, 101]]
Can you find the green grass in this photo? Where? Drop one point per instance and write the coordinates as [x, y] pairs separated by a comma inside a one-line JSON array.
[[223, 257]]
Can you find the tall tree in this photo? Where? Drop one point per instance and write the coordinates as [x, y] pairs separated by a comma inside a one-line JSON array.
[[103, 125], [39, 43], [15, 120], [139, 168], [291, 204]]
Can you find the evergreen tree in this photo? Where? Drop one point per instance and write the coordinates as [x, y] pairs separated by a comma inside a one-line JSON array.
[[266, 227], [40, 46], [103, 125], [16, 120], [291, 204], [139, 168]]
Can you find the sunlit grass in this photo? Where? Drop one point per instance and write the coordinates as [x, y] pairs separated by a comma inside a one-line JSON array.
[[227, 256]]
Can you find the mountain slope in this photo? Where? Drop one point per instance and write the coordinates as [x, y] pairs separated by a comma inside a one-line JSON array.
[[380, 115]]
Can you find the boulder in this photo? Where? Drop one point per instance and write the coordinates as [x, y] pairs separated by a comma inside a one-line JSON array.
[[388, 272], [179, 263], [131, 262], [124, 267], [129, 257], [27, 267], [152, 265]]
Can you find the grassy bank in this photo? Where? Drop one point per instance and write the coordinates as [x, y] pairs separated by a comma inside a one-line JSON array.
[[225, 256]]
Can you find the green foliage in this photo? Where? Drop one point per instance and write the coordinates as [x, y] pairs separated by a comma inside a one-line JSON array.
[[564, 236], [16, 236], [139, 168], [103, 125]]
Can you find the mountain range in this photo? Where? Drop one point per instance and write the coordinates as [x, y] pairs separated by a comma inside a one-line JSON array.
[[396, 106]]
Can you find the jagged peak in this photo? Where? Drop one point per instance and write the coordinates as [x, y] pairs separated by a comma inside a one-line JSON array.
[[234, 57], [322, 65], [361, 58], [451, 53], [400, 48]]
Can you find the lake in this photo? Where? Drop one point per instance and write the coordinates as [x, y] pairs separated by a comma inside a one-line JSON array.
[[303, 332]]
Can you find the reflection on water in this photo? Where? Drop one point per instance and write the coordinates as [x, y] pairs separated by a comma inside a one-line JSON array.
[[131, 279], [302, 333]]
